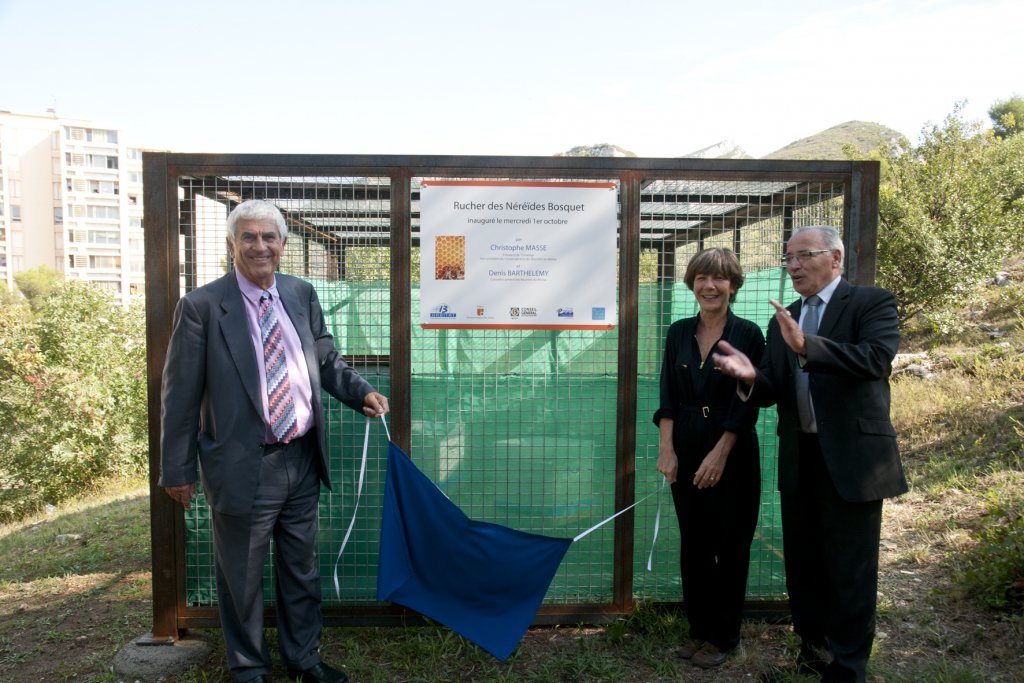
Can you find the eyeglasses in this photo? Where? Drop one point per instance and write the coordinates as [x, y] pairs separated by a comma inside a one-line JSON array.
[[805, 255]]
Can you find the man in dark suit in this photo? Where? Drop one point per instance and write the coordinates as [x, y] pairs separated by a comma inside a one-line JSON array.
[[248, 356], [838, 457]]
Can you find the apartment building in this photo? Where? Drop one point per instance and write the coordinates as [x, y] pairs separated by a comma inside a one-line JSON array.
[[71, 199]]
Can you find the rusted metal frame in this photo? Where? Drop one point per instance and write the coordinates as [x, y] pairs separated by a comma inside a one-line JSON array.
[[160, 201], [860, 209], [555, 612], [478, 166], [396, 615], [625, 429], [401, 307]]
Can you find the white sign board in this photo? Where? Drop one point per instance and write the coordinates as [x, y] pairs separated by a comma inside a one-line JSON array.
[[517, 255]]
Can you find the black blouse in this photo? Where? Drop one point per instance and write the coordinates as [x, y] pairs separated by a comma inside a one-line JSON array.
[[694, 393]]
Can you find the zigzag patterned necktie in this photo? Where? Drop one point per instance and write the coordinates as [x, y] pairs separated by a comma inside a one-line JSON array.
[[279, 388]]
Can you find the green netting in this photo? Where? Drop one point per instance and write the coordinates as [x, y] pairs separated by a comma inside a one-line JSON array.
[[517, 427]]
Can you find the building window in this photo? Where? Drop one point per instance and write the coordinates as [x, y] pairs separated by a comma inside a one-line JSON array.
[[15, 212], [58, 214], [103, 187], [100, 161], [134, 154], [111, 212], [56, 190], [100, 135], [136, 245], [14, 188], [135, 222], [134, 176], [137, 266], [104, 262], [104, 237]]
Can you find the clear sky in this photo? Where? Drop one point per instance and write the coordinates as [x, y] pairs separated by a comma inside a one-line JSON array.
[[519, 77]]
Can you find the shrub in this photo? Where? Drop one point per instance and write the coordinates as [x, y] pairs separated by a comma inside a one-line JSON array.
[[993, 571], [72, 397]]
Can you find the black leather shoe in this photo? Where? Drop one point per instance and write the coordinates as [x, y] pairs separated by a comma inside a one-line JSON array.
[[321, 673], [812, 660]]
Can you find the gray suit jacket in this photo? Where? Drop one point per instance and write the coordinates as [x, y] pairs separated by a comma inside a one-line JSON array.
[[212, 411], [849, 361]]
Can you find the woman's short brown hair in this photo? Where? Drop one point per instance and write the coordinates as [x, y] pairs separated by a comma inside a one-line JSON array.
[[718, 262]]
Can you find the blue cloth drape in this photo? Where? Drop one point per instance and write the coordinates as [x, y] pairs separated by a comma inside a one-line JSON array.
[[482, 580]]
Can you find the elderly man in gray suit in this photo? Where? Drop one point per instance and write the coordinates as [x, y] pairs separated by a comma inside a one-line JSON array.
[[248, 356], [827, 366]]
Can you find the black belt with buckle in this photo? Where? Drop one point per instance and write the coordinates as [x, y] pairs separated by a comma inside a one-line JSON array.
[[703, 410]]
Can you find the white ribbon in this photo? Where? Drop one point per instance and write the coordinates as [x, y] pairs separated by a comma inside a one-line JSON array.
[[359, 495], [657, 522], [355, 510]]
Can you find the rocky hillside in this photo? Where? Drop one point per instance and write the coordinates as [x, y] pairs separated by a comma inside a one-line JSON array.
[[864, 136], [599, 150]]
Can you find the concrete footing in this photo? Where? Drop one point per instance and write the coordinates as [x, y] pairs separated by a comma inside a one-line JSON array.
[[141, 661]]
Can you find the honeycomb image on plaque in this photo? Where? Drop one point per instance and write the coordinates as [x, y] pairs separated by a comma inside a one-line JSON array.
[[450, 257]]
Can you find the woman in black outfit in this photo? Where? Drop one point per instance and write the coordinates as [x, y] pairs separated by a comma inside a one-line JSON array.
[[708, 452]]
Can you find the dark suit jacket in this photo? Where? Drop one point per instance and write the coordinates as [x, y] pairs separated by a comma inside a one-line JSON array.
[[211, 404], [849, 361]]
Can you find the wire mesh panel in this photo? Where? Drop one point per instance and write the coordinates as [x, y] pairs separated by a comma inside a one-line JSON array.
[[517, 427], [339, 241], [678, 219]]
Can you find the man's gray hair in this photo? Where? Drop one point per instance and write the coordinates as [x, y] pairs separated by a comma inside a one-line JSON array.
[[829, 235], [256, 210]]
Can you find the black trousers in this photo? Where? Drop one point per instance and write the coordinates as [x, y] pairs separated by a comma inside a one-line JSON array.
[[831, 550], [716, 527], [285, 509]]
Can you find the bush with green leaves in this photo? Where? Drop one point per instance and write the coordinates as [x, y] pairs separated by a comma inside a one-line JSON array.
[[72, 397], [993, 571], [950, 212]]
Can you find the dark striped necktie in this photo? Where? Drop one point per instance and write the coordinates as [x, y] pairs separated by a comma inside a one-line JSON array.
[[804, 405]]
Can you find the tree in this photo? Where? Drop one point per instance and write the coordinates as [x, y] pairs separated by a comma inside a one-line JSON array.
[[949, 214], [35, 285], [1007, 116], [72, 397]]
